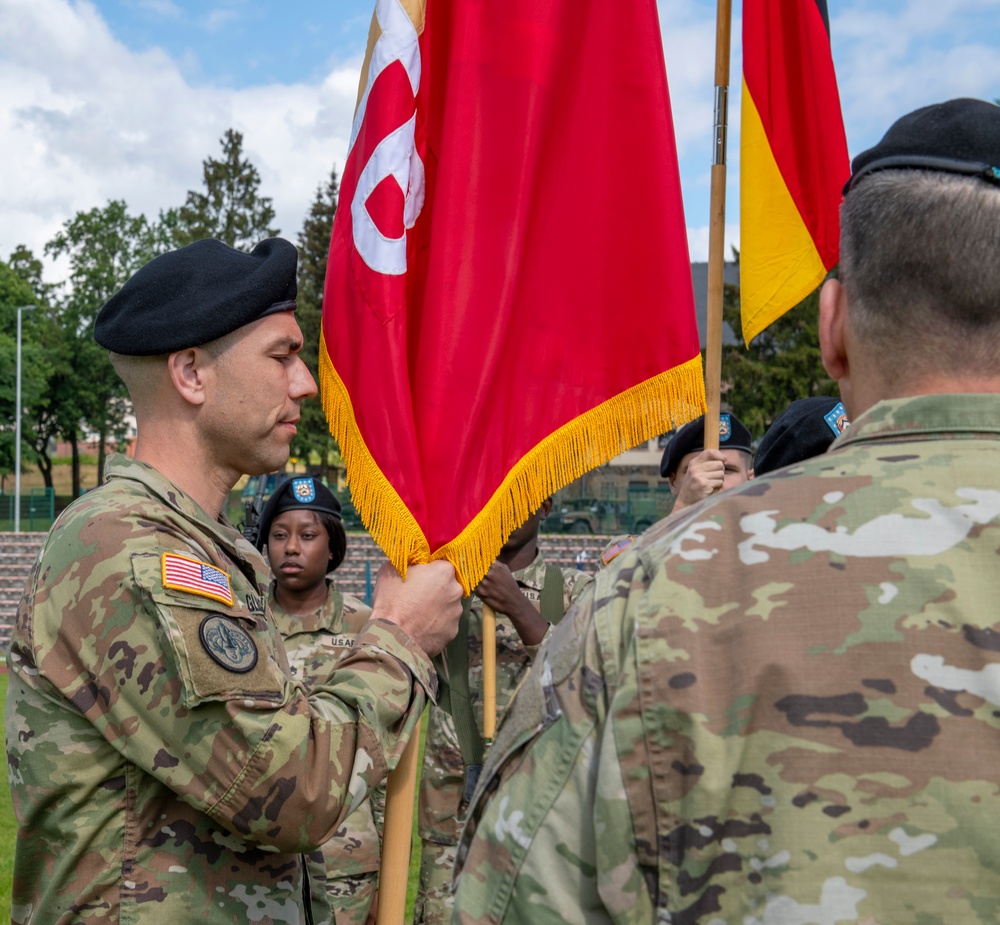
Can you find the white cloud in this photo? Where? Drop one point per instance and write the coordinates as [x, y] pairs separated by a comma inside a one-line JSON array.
[[688, 31], [84, 120], [890, 57], [891, 61]]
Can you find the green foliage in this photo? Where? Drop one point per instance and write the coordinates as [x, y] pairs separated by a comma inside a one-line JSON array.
[[313, 438], [69, 386], [85, 459], [231, 208], [782, 363], [29, 270], [36, 366], [104, 248]]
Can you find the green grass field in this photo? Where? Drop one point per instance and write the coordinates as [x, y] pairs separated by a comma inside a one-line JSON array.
[[8, 827]]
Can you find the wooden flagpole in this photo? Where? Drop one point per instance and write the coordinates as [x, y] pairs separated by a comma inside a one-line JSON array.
[[401, 786], [489, 674], [717, 228]]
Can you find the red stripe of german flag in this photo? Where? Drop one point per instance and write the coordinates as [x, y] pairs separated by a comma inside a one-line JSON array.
[[793, 158]]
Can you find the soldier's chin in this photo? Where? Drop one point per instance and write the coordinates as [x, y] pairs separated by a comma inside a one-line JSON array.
[[271, 463]]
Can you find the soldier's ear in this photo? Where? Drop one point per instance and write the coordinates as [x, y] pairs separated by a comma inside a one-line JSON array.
[[832, 330], [187, 370]]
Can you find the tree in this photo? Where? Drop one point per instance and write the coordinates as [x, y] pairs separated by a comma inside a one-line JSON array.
[[313, 436], [105, 247], [782, 363], [29, 268], [36, 367], [231, 208]]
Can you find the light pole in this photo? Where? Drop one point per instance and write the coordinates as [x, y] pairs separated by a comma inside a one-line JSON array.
[[17, 437]]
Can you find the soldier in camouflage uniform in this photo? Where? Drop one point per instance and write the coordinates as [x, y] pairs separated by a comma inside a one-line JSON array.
[[164, 764], [306, 542], [513, 587], [782, 705]]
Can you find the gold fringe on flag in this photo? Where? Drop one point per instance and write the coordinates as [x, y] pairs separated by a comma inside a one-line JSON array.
[[634, 416]]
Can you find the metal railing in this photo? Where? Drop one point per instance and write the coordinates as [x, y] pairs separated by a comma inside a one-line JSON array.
[[37, 510]]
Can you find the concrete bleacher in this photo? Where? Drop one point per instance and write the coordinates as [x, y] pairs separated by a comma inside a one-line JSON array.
[[19, 550], [558, 548]]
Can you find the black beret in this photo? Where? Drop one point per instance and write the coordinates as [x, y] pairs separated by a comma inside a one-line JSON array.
[[803, 430], [961, 136], [298, 493], [733, 435], [196, 294]]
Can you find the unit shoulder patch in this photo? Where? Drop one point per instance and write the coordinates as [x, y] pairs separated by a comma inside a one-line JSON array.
[[836, 419], [228, 644]]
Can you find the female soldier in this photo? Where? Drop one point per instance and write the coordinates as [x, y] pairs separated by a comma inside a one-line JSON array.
[[305, 539]]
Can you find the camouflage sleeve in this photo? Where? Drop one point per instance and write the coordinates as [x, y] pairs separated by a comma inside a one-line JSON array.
[[577, 584], [355, 613], [230, 732], [547, 838]]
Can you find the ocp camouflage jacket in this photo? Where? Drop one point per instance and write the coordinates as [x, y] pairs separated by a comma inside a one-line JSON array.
[[164, 766], [782, 706]]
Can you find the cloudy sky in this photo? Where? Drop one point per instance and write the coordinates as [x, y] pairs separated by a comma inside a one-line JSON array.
[[124, 99]]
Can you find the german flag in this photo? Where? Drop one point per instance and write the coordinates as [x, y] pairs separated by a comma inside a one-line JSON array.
[[793, 158]]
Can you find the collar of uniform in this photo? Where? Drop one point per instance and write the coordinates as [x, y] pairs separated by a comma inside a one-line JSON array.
[[958, 416], [289, 624], [533, 574], [225, 534]]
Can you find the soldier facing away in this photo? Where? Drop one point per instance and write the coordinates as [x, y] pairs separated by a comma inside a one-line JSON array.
[[782, 705], [528, 595], [164, 765]]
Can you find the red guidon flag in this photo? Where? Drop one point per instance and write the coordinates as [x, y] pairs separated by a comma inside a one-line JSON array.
[[508, 299], [793, 158]]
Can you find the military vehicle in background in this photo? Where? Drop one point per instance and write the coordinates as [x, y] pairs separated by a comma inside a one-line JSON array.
[[641, 507]]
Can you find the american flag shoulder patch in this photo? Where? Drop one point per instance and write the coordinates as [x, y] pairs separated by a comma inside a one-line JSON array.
[[616, 547], [182, 573]]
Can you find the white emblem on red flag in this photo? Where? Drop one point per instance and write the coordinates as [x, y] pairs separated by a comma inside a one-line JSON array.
[[389, 194]]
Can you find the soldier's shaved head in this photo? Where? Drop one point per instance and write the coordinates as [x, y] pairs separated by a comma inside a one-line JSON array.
[[909, 239], [143, 377]]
